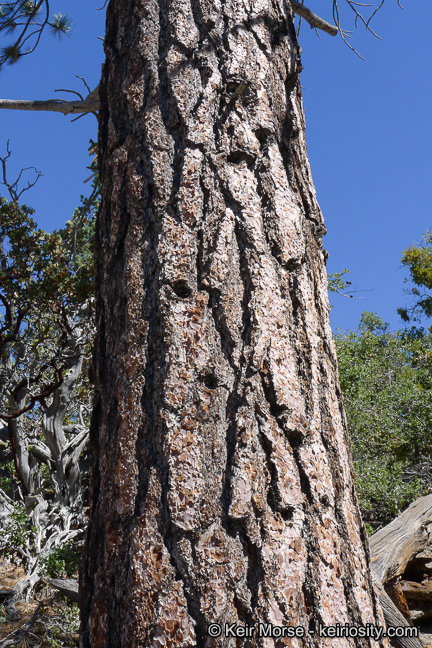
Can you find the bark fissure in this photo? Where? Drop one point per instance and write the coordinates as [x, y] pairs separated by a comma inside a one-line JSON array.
[[222, 486]]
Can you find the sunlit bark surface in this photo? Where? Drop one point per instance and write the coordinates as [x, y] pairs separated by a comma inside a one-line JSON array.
[[222, 488]]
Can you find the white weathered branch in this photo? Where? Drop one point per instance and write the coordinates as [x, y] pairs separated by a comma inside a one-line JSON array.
[[41, 452], [312, 19], [77, 442], [392, 548], [52, 105]]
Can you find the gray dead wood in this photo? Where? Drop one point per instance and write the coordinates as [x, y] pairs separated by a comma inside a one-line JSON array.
[[422, 612], [66, 586], [392, 548], [417, 591], [52, 105], [5, 592], [396, 619], [314, 21]]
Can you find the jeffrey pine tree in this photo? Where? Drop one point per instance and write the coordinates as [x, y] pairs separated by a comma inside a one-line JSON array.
[[222, 492], [222, 486]]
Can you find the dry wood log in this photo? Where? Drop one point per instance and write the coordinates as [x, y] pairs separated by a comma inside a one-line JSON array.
[[394, 546], [421, 613], [426, 555], [395, 619], [66, 586], [395, 592], [392, 549], [417, 591], [5, 592]]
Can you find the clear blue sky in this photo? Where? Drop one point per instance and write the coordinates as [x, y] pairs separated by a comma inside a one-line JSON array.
[[368, 131]]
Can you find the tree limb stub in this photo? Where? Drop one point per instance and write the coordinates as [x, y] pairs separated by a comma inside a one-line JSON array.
[[52, 105], [312, 19]]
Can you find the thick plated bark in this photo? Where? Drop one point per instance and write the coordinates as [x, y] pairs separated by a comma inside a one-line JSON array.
[[222, 488]]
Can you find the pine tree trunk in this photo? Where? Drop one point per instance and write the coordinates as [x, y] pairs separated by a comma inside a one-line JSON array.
[[222, 487]]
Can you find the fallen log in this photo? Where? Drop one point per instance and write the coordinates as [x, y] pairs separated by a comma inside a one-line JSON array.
[[395, 545], [395, 619], [5, 592], [421, 612], [395, 592], [66, 586], [392, 549], [417, 591]]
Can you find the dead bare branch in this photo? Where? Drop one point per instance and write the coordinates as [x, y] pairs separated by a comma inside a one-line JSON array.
[[13, 188], [312, 19], [51, 105]]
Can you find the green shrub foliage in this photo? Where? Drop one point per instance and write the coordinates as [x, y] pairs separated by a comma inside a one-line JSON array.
[[17, 533], [45, 281], [418, 259], [63, 561], [386, 379]]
